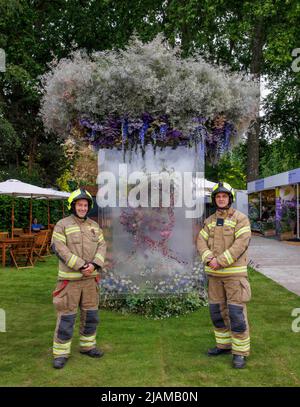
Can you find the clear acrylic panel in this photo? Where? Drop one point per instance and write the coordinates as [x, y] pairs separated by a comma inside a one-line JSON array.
[[152, 249]]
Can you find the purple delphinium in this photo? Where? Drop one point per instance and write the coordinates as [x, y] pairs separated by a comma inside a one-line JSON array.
[[128, 133]]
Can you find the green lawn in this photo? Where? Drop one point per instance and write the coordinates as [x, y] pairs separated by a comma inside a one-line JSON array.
[[141, 352]]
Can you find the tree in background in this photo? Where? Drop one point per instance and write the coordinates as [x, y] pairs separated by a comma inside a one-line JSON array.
[[258, 36], [231, 168]]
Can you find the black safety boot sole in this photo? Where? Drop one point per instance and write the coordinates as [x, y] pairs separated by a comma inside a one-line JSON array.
[[59, 363], [218, 351], [238, 362], [93, 353]]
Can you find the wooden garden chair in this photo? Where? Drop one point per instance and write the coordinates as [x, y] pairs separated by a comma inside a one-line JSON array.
[[46, 250], [40, 245], [18, 232], [21, 252], [4, 235]]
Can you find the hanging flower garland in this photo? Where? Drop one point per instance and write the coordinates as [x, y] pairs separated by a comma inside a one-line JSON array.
[[127, 134]]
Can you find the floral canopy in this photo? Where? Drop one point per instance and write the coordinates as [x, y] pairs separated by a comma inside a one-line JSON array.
[[147, 93]]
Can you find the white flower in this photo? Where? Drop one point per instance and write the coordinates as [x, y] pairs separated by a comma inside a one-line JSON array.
[[149, 77]]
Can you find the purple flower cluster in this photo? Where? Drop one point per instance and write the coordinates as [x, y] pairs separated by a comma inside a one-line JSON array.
[[127, 133]]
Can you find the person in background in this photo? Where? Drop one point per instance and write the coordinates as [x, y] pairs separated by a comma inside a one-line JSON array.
[[36, 227], [265, 214]]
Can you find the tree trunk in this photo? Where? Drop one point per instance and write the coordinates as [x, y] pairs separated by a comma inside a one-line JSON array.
[[32, 154], [253, 150], [254, 130]]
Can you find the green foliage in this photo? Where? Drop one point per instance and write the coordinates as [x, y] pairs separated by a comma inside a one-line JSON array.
[[281, 124], [157, 307], [223, 31], [63, 181], [22, 211], [276, 156], [9, 142], [282, 106], [282, 154], [231, 168]]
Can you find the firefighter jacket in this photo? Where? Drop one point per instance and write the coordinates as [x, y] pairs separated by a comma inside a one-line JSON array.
[[77, 242], [225, 236]]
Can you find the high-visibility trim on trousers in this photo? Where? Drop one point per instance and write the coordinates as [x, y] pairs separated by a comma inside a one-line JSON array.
[[61, 349], [241, 345], [223, 338], [87, 341]]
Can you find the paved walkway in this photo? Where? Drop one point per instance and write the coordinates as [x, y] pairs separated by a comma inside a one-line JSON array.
[[277, 260]]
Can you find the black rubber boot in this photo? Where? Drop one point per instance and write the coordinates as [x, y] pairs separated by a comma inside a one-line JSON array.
[[238, 361], [59, 363], [93, 353], [217, 351]]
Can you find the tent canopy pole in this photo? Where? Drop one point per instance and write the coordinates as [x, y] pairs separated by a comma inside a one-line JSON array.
[[30, 214], [48, 213], [12, 216]]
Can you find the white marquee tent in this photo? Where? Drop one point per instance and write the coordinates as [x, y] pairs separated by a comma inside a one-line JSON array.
[[18, 189]]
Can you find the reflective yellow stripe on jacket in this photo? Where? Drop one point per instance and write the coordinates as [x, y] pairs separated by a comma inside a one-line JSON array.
[[73, 275], [205, 254], [227, 270], [228, 257], [59, 237], [72, 229], [72, 261], [245, 229], [100, 257], [211, 225], [204, 234], [231, 223]]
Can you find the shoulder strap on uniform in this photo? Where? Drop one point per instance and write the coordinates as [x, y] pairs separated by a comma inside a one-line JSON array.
[[231, 212]]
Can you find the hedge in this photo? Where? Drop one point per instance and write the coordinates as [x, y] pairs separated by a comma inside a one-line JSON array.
[[22, 208]]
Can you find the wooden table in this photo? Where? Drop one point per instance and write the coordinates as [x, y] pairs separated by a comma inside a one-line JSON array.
[[4, 244]]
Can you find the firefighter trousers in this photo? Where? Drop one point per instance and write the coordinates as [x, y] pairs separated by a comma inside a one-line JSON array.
[[67, 297], [227, 298]]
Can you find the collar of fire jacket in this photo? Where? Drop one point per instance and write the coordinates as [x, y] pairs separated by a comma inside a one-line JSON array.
[[224, 213], [79, 220]]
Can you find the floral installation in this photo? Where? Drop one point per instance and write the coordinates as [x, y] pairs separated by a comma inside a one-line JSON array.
[[147, 92]]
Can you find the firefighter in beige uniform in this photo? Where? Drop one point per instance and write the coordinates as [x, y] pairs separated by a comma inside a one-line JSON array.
[[79, 244], [223, 244]]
